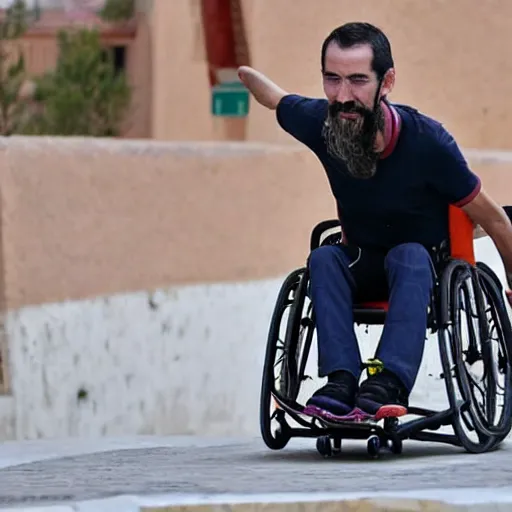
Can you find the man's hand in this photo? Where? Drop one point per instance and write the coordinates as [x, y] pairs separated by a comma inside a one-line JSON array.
[[266, 92], [495, 222]]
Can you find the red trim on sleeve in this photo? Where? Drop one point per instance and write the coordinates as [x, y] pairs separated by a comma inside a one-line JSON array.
[[466, 200]]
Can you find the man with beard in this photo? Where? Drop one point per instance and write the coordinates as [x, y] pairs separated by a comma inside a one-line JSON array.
[[393, 172]]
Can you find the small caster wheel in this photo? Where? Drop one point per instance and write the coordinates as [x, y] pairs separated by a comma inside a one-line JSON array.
[[396, 445], [323, 446], [373, 446]]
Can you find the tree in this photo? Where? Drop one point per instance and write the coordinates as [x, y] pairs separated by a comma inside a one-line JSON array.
[[84, 94], [117, 10], [14, 103]]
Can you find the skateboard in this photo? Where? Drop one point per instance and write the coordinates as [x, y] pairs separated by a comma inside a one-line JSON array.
[[355, 417], [356, 425]]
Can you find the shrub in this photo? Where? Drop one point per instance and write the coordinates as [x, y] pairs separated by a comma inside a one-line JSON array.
[[84, 94]]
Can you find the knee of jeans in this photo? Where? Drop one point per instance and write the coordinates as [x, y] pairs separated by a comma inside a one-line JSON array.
[[324, 256], [412, 255]]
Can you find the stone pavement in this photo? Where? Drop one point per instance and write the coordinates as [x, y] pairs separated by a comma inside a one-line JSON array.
[[58, 472]]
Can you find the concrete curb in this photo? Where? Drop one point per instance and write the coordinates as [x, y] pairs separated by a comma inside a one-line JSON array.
[[442, 500], [364, 505]]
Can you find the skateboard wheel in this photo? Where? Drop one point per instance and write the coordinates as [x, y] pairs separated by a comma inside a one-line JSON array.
[[373, 446], [323, 446], [396, 445]]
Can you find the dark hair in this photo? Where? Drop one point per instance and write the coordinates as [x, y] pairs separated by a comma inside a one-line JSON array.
[[355, 33]]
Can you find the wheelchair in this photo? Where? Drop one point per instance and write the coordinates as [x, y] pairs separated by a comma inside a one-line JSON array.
[[467, 311]]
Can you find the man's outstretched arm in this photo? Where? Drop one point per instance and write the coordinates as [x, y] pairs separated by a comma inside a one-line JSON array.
[[297, 115], [265, 92]]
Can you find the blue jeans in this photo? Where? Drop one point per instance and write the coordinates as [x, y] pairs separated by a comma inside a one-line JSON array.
[[341, 276]]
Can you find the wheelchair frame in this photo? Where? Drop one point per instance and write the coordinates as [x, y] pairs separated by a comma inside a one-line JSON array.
[[450, 288]]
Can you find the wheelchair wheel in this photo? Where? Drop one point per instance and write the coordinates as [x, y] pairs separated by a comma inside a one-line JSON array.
[[276, 374], [498, 354], [297, 341], [475, 354]]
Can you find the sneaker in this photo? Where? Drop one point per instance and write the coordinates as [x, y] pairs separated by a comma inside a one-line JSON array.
[[336, 398], [383, 396]]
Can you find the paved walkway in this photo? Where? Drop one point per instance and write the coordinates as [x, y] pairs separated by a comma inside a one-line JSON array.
[[58, 472]]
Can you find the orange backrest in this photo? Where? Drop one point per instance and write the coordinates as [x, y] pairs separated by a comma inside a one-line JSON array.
[[461, 235]]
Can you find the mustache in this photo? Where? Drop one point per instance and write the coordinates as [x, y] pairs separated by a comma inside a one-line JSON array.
[[348, 107]]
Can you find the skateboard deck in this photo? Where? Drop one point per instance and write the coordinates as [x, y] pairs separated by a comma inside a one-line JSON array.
[[356, 417]]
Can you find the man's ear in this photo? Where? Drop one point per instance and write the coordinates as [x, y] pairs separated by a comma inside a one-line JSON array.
[[388, 82]]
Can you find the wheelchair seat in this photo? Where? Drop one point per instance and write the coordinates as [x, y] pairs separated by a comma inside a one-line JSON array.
[[370, 313]]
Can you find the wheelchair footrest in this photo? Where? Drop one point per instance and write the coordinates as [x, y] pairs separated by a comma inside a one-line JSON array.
[[432, 421]]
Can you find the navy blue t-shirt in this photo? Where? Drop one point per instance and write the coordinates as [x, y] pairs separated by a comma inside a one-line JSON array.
[[407, 199]]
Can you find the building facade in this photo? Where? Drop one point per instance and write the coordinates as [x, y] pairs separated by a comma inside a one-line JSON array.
[[451, 62]]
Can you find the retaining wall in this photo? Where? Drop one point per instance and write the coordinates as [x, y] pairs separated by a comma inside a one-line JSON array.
[[139, 278]]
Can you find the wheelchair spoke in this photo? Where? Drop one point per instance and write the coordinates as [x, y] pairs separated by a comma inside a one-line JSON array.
[[280, 360], [480, 386]]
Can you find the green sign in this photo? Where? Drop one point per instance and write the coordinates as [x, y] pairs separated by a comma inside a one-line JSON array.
[[230, 99]]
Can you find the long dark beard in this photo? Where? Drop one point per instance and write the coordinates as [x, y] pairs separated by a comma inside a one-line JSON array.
[[353, 140]]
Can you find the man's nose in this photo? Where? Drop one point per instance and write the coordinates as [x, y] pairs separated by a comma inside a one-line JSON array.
[[344, 92]]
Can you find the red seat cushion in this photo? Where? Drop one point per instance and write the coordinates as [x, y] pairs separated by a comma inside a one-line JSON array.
[[382, 305]]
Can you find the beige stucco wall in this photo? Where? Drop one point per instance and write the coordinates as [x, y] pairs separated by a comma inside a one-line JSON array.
[[129, 266], [451, 66], [180, 94], [91, 228], [180, 81], [82, 218], [451, 58], [87, 217], [139, 68]]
